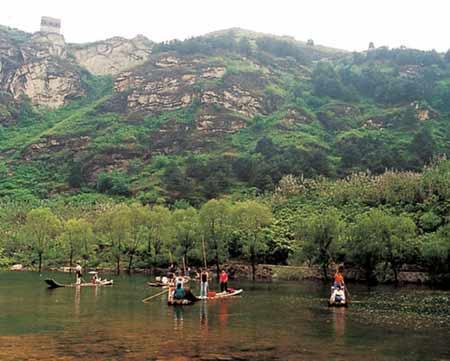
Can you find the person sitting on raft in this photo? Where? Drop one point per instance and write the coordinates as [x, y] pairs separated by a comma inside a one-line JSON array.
[[179, 292], [223, 279]]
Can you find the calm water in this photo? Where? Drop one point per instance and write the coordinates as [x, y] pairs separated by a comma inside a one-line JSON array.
[[277, 321]]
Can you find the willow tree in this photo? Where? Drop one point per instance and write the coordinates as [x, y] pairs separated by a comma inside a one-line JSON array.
[[41, 228], [159, 232], [215, 222], [250, 219], [321, 235], [186, 231], [112, 228], [77, 236], [400, 242], [138, 218], [379, 237]]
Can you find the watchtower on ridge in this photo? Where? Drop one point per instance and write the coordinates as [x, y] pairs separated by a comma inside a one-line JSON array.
[[50, 25]]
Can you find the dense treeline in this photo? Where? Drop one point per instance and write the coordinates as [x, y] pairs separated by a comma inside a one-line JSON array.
[[375, 222], [208, 45], [388, 76]]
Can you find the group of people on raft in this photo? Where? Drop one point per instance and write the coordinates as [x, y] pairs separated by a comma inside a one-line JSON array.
[[178, 289], [95, 279]]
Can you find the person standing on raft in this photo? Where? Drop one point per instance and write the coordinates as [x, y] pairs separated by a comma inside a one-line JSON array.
[[339, 278], [223, 279], [78, 273], [204, 284]]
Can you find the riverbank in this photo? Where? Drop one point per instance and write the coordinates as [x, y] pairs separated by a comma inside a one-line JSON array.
[[408, 274]]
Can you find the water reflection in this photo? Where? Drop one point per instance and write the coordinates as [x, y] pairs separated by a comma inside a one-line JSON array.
[[339, 321], [178, 318], [77, 300], [203, 314], [223, 313]]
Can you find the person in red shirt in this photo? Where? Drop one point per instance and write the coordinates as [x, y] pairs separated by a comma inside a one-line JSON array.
[[223, 279], [339, 277]]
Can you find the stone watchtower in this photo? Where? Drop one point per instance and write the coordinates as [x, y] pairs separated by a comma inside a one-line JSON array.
[[50, 25]]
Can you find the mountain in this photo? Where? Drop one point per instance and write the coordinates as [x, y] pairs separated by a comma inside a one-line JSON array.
[[231, 111]]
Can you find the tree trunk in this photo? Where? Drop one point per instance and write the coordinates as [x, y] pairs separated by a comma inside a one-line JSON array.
[[253, 259], [185, 262], [130, 263], [71, 260], [40, 262], [394, 268], [325, 272], [216, 258], [369, 276], [118, 265]]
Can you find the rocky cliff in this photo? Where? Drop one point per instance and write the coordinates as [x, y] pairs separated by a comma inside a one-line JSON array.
[[39, 68], [49, 72], [112, 56]]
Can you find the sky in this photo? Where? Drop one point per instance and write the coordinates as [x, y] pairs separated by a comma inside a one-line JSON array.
[[343, 24]]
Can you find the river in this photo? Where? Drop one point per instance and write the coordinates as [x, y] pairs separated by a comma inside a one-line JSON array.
[[271, 321]]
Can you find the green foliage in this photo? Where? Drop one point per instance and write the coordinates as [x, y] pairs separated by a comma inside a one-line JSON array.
[[160, 235], [378, 236], [114, 183], [283, 48], [78, 237], [112, 229], [41, 228], [321, 235], [216, 226], [250, 218], [435, 251], [186, 232], [326, 82]]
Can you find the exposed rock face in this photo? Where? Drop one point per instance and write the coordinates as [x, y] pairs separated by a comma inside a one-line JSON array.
[[52, 144], [45, 82], [40, 69], [293, 118], [424, 112], [112, 56], [45, 69], [169, 83]]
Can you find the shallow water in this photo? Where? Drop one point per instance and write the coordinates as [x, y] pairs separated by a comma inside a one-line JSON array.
[[276, 321]]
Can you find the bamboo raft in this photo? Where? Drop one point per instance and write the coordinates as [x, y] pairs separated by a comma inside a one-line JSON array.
[[53, 284]]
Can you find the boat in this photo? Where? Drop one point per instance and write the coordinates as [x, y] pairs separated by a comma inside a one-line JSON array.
[[338, 297], [220, 295], [158, 284], [183, 302], [53, 284], [211, 297]]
